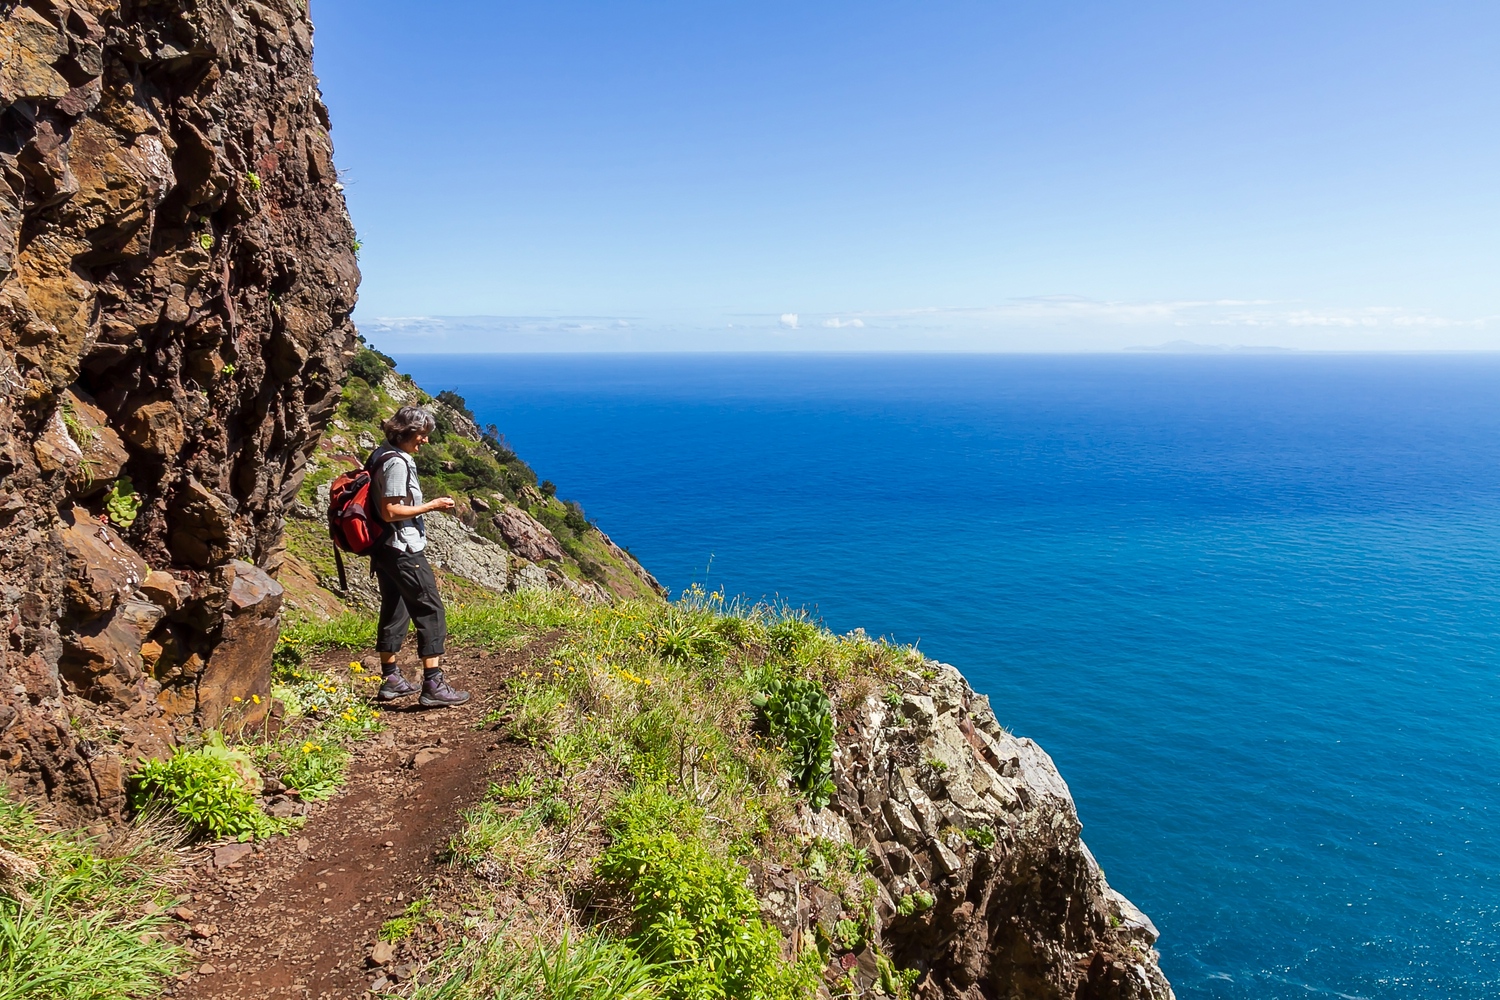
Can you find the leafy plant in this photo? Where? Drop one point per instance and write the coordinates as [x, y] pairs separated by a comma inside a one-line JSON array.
[[122, 503], [356, 245], [982, 837], [212, 788], [206, 240], [252, 179], [695, 916], [797, 712], [317, 768], [895, 982], [848, 934]]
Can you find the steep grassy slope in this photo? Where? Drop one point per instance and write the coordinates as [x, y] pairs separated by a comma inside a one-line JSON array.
[[548, 541]]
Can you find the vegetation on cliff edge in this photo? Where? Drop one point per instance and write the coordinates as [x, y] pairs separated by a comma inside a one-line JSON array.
[[679, 742]]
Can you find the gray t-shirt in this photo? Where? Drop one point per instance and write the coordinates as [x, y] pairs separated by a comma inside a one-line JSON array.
[[396, 476]]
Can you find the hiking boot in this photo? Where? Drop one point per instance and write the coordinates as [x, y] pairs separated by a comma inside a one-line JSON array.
[[437, 694], [396, 686]]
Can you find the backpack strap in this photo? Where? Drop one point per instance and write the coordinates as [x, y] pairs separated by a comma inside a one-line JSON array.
[[378, 459]]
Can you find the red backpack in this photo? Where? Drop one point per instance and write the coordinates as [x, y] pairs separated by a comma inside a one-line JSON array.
[[354, 521]]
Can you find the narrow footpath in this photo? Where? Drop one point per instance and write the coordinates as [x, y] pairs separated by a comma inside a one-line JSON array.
[[297, 916]]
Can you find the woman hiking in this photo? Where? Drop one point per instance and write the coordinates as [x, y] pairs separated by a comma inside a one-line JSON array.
[[408, 589]]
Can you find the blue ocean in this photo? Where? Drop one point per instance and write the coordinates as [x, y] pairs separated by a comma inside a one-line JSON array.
[[1250, 604]]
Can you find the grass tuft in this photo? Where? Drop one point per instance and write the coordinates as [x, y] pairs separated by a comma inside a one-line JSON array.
[[76, 915]]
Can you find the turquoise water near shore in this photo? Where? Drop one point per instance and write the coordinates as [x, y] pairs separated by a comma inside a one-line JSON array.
[[1251, 605]]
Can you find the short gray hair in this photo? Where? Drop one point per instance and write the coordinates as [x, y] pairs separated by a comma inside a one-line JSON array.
[[407, 421]]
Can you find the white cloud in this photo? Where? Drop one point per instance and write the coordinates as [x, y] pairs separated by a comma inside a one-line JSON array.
[[837, 324], [789, 320]]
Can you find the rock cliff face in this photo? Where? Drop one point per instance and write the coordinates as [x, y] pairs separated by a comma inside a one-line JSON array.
[[976, 831], [177, 271], [982, 882]]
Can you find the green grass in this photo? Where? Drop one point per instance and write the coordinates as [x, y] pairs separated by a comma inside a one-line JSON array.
[[582, 967], [400, 928], [657, 776], [75, 924], [348, 631]]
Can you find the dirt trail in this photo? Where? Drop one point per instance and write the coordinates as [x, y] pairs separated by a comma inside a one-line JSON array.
[[297, 916]]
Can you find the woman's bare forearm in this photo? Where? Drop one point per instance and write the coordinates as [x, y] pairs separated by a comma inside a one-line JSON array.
[[392, 511]]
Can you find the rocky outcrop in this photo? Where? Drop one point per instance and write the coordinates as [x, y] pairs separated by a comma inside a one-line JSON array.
[[526, 536], [973, 835], [177, 273]]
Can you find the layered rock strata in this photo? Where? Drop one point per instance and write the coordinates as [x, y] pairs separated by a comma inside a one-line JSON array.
[[177, 271], [984, 883]]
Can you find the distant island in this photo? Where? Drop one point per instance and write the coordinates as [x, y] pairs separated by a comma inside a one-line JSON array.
[[1192, 347]]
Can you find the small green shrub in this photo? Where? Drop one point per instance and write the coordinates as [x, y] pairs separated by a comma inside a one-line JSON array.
[[789, 635], [370, 366], [212, 788], [481, 470], [982, 837], [360, 400], [798, 713], [696, 917]]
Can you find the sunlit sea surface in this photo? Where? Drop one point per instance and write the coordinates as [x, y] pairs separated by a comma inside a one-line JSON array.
[[1251, 605]]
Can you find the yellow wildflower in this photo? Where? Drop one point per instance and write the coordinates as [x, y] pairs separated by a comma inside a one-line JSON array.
[[238, 698], [255, 698]]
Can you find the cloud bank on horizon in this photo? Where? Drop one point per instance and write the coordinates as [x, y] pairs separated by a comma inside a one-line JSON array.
[[1049, 323], [892, 176]]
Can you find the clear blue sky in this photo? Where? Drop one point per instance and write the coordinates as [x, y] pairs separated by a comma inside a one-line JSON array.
[[920, 175]]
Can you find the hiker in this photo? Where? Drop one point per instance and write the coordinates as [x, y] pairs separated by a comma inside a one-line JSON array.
[[408, 589]]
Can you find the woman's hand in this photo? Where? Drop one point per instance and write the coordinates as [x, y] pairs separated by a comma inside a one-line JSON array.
[[440, 503]]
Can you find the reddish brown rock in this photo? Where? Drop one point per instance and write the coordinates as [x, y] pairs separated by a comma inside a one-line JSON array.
[[155, 426], [171, 170], [234, 688], [101, 567], [526, 536], [78, 440]]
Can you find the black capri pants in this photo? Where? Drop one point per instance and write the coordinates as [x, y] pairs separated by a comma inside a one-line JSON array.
[[409, 593]]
